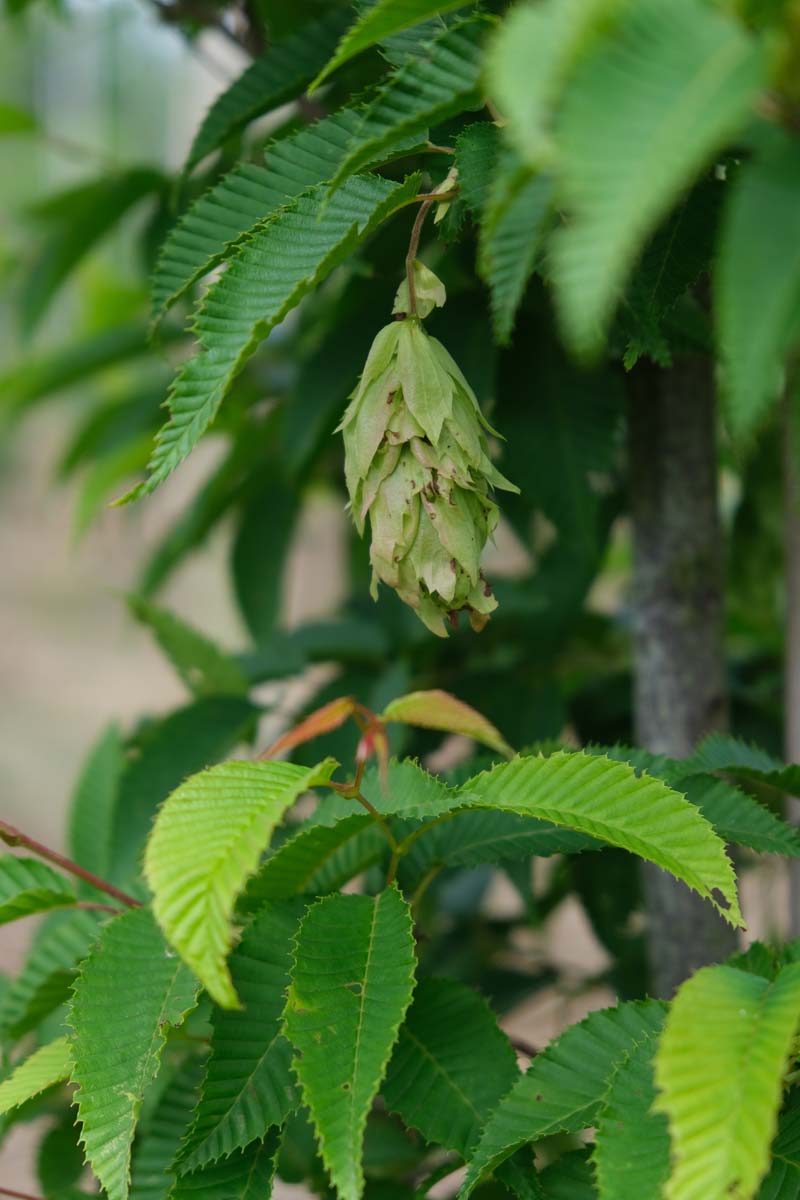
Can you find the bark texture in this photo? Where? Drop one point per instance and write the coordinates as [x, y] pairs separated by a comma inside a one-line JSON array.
[[679, 666]]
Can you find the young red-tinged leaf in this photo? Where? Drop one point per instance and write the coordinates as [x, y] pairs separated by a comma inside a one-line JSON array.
[[436, 709], [322, 720]]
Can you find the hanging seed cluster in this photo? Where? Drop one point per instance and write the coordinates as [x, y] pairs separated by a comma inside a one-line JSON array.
[[417, 464]]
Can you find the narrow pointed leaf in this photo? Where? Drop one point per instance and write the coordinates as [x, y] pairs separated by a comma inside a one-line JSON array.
[[272, 269], [426, 90], [45, 980], [152, 1173], [626, 153], [118, 1034], [380, 21], [352, 981], [202, 665], [279, 75], [436, 709], [245, 1175], [29, 886], [451, 1065], [206, 842], [631, 1154], [563, 1089], [609, 801], [46, 1066], [248, 1086], [757, 281], [725, 1025], [91, 819]]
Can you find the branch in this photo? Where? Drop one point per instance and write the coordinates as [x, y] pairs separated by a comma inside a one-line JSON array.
[[15, 837], [4, 1191]]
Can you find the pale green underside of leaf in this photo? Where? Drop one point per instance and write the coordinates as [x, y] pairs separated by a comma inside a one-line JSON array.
[[118, 1033], [631, 1155], [529, 60], [91, 817], [45, 979], [273, 268], [206, 842], [380, 21], [563, 1088], [276, 77], [451, 1065], [644, 113], [430, 87], [608, 801], [29, 886], [151, 1177], [246, 1175], [202, 665], [46, 1066], [352, 982], [719, 1072], [757, 280], [248, 1086], [243, 198]]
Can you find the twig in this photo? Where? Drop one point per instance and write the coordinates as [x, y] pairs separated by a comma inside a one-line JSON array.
[[88, 905], [15, 837], [413, 247], [4, 1191]]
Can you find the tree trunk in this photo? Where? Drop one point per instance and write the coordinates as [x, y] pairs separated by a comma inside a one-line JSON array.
[[679, 666]]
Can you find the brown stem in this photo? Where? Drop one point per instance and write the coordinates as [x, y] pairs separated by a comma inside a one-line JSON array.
[[15, 837], [89, 906], [4, 1191], [413, 247]]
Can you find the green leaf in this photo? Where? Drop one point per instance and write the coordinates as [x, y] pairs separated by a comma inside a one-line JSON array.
[[118, 1033], [627, 149], [28, 886], [352, 981], [259, 553], [569, 1178], [151, 1176], [737, 817], [59, 1160], [311, 862], [272, 269], [516, 220], [379, 22], [725, 1025], [15, 120], [278, 76], [563, 1089], [91, 814], [44, 982], [80, 217], [721, 752], [202, 665], [246, 1175], [783, 1180], [49, 372], [530, 60], [451, 1065], [242, 199], [477, 151], [440, 82], [180, 744], [607, 800], [631, 1156], [757, 280], [248, 1086], [46, 1066], [471, 838], [206, 842], [436, 709]]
